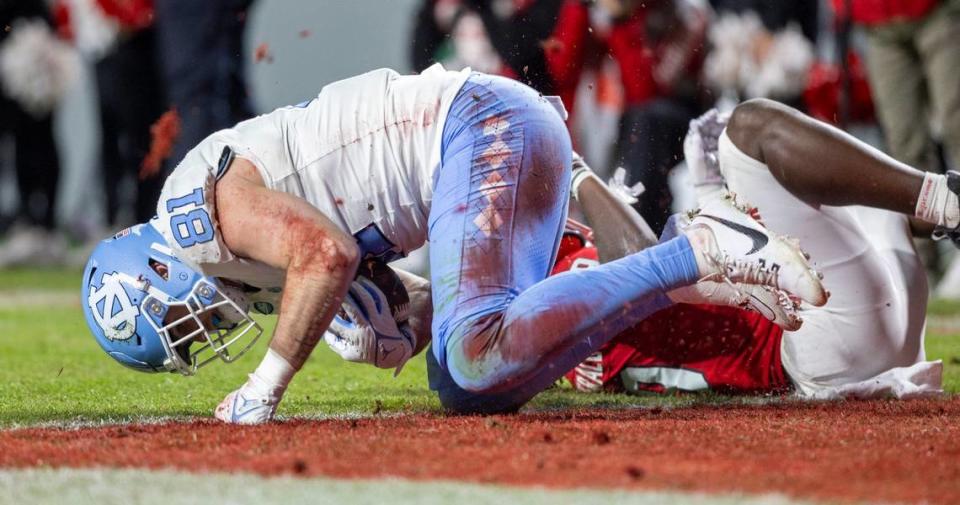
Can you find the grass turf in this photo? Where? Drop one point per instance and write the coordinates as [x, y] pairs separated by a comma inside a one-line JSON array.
[[51, 370]]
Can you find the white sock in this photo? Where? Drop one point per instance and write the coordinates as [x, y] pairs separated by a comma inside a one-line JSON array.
[[704, 244], [936, 203], [272, 376]]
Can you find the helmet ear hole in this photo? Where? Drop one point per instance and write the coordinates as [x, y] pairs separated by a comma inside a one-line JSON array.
[[162, 269]]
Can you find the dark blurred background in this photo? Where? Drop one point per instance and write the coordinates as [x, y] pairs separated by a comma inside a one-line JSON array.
[[100, 98]]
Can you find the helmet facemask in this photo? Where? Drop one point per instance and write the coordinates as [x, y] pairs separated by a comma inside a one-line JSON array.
[[207, 316]]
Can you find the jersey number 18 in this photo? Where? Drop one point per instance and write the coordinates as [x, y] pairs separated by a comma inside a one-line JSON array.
[[193, 227]]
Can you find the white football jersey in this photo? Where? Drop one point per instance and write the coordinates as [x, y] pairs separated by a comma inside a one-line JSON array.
[[363, 152]]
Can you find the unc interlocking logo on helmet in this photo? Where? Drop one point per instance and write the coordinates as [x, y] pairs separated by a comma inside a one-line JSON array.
[[112, 308]]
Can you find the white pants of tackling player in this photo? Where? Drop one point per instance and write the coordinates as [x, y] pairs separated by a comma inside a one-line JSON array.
[[868, 339]]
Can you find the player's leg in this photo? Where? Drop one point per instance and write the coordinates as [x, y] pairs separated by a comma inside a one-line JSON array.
[[823, 165], [820, 164], [938, 45], [618, 230], [899, 92], [498, 211], [860, 332], [499, 205]]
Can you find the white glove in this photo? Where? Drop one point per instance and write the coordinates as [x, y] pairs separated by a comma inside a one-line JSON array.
[[618, 186], [366, 332], [700, 150], [247, 405]]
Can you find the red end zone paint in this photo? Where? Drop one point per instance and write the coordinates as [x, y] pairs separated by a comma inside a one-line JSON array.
[[880, 450]]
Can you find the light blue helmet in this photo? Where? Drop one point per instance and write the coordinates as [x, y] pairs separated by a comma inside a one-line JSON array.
[[146, 308]]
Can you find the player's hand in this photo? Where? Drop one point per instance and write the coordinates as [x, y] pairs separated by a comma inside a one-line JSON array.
[[624, 192], [701, 148], [365, 330], [247, 405]]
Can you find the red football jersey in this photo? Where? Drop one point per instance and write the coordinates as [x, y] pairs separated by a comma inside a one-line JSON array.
[[683, 347]]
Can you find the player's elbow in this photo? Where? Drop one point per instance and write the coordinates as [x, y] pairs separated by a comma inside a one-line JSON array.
[[327, 255], [341, 254]]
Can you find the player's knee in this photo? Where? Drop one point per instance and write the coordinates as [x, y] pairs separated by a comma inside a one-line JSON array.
[[478, 375], [456, 400], [462, 402], [750, 118], [472, 376], [752, 123]]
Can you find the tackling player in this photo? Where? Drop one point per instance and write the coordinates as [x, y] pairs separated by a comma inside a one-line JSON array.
[[867, 342], [277, 212]]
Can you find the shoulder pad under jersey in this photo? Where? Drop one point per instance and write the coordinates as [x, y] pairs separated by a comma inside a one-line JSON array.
[[186, 212]]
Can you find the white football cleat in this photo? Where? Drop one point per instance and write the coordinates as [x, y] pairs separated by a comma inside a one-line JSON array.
[[774, 305], [739, 249], [246, 406]]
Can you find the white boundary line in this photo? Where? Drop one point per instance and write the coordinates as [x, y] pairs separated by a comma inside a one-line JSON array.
[[109, 486]]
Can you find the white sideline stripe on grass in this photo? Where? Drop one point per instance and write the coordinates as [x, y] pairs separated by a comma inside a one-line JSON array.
[[693, 401], [127, 487], [77, 424]]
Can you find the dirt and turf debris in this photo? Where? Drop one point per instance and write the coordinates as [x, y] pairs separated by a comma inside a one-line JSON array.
[[847, 451]]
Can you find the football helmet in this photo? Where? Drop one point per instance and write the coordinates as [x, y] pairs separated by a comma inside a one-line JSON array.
[[153, 313]]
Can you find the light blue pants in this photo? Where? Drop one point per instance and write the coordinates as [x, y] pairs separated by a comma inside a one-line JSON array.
[[503, 331]]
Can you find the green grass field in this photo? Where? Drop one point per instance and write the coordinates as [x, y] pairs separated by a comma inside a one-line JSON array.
[[52, 371]]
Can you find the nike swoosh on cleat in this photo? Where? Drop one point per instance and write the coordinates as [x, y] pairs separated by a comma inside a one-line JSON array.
[[761, 307], [759, 239]]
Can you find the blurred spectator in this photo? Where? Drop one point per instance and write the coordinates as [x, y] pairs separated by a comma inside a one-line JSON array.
[[539, 42], [35, 70], [200, 45], [658, 46], [913, 53], [118, 37], [758, 49], [776, 15]]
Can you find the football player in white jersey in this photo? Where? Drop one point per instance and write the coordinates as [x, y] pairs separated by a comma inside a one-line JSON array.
[[867, 342], [277, 212]]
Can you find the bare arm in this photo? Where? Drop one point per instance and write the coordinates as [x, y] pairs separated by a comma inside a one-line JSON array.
[[618, 229], [286, 232]]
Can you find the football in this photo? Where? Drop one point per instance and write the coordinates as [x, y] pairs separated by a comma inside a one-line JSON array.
[[390, 284]]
